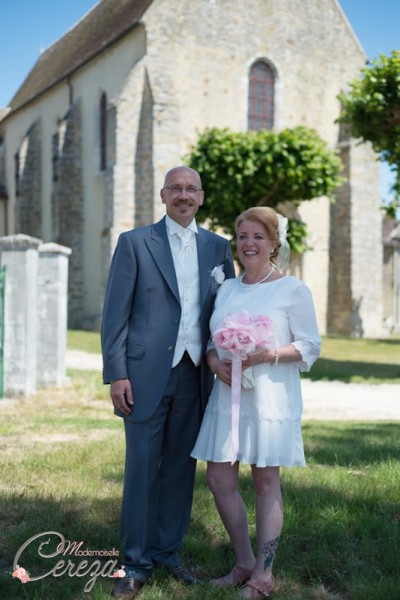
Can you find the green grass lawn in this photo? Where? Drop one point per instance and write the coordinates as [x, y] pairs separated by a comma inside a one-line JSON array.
[[61, 464], [358, 360], [343, 359], [88, 341]]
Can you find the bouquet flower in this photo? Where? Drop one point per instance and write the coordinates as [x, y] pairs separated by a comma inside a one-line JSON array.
[[240, 336]]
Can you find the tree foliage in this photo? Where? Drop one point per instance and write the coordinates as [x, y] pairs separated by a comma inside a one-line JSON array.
[[371, 109], [262, 168]]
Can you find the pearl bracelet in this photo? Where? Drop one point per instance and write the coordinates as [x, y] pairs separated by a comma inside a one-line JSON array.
[[276, 360]]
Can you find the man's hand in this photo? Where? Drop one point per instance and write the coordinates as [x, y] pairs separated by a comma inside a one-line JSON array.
[[121, 395]]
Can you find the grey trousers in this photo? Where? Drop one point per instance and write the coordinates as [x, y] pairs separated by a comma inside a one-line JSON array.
[[159, 476]]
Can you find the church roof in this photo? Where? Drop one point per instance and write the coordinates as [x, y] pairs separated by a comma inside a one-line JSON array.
[[104, 24]]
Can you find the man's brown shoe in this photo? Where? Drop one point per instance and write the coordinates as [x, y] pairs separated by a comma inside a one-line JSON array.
[[127, 588]]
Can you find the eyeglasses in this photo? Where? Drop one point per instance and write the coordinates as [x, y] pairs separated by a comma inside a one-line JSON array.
[[178, 189]]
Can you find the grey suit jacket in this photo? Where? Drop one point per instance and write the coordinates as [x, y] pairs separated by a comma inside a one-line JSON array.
[[142, 311]]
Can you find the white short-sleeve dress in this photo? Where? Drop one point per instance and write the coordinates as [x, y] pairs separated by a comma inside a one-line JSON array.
[[270, 412]]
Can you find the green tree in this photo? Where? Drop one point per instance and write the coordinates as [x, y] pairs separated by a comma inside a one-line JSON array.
[[262, 168], [371, 109]]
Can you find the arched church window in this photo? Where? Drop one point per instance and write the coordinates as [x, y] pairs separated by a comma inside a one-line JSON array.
[[103, 132], [261, 96]]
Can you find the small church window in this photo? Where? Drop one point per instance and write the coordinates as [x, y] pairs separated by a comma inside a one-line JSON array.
[[17, 175], [261, 97], [103, 132], [55, 156]]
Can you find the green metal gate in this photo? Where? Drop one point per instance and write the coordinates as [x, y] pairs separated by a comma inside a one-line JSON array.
[[2, 294]]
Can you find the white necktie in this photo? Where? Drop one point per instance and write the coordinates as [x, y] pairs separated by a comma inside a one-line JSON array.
[[185, 248]]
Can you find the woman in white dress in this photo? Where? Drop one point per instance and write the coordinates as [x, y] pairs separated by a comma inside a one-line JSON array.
[[269, 427]]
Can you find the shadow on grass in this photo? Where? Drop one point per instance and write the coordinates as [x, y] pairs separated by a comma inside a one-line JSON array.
[[357, 444], [92, 521], [337, 533], [340, 528], [98, 528], [332, 541], [334, 370]]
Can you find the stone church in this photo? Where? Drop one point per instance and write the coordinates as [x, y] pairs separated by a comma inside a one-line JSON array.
[[121, 97]]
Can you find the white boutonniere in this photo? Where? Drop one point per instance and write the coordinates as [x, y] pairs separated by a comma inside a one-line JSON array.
[[218, 274]]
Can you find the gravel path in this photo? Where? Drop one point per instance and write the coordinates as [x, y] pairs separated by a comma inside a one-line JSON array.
[[76, 359], [329, 400], [322, 400]]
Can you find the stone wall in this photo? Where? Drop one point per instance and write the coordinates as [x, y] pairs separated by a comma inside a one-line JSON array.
[[391, 302], [144, 167], [340, 267], [178, 73], [204, 83], [28, 210], [71, 210], [107, 191], [35, 321]]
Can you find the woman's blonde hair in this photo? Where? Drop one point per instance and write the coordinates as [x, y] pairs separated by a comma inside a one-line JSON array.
[[268, 218]]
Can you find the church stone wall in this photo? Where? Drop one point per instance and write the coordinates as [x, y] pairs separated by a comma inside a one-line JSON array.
[[106, 192], [28, 209], [366, 244], [144, 167], [71, 211], [340, 268], [184, 70], [203, 82]]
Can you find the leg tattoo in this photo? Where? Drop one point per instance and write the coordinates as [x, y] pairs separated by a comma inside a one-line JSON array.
[[269, 550]]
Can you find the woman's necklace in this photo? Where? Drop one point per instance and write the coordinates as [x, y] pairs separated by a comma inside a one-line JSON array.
[[267, 276]]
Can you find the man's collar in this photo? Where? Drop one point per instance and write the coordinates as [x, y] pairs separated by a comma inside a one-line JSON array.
[[172, 226]]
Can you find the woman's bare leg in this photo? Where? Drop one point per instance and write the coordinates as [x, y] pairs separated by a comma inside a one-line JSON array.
[[269, 520], [222, 479]]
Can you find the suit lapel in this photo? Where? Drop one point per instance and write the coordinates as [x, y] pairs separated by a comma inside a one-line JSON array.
[[158, 245], [160, 249], [205, 253]]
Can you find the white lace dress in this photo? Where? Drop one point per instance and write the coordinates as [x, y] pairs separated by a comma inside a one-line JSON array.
[[270, 412]]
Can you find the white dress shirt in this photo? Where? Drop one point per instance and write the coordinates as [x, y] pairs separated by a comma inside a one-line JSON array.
[[184, 253]]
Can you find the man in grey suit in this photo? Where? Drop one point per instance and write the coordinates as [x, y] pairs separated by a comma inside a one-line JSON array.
[[155, 329]]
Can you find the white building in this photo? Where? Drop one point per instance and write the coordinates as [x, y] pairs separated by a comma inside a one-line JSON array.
[[119, 99]]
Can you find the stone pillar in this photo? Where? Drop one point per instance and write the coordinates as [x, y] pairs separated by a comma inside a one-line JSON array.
[[19, 253], [393, 290], [52, 314]]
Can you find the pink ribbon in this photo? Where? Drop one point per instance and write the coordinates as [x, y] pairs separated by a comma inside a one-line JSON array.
[[236, 380]]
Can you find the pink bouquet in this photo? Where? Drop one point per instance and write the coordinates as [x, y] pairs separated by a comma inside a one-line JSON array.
[[242, 335]]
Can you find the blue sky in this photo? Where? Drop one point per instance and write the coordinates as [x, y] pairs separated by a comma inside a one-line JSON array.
[[29, 26]]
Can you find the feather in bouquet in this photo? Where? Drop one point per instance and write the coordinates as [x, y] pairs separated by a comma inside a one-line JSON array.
[[240, 336]]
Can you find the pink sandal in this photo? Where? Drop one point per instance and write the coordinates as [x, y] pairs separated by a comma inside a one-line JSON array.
[[260, 589], [238, 576]]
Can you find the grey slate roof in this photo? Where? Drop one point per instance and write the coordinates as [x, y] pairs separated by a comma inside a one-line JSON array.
[[105, 23]]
